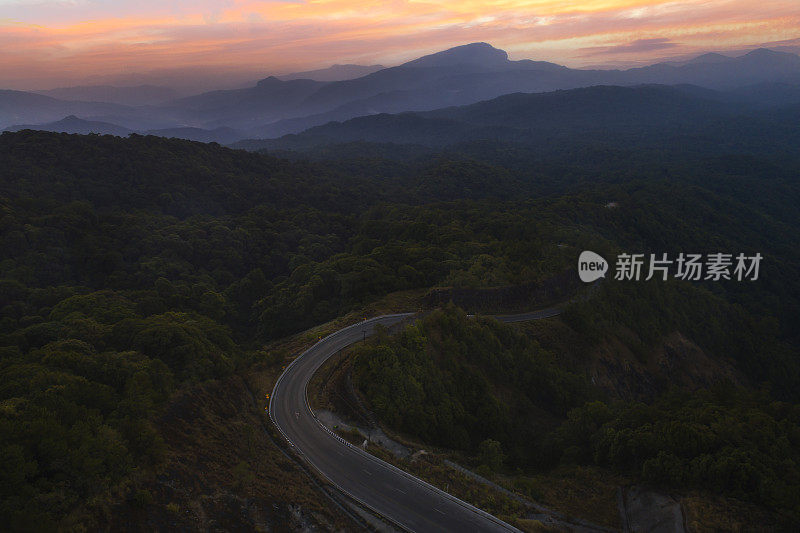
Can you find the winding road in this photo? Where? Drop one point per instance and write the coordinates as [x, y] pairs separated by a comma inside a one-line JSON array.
[[399, 497]]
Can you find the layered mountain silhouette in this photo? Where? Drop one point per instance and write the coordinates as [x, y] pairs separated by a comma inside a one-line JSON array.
[[459, 76], [18, 107], [598, 114], [73, 124]]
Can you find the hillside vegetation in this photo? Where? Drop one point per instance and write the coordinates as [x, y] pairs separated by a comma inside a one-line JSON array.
[[136, 268], [486, 388]]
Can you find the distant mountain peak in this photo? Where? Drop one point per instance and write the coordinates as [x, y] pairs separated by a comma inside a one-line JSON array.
[[762, 52], [764, 57], [482, 54], [711, 57], [269, 80], [767, 54]]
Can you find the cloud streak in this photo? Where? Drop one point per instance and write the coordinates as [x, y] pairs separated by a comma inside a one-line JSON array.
[[50, 43], [639, 46]]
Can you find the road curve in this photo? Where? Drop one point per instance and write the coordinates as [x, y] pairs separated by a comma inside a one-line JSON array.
[[394, 494]]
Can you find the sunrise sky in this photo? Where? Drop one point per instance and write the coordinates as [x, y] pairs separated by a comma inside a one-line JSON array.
[[48, 43]]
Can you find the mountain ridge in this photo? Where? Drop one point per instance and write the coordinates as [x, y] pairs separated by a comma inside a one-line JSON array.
[[462, 75], [335, 72], [591, 113]]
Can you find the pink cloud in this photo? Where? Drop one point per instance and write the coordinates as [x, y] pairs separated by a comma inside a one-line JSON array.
[[51, 42]]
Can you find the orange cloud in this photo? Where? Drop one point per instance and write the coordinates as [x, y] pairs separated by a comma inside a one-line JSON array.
[[54, 43]]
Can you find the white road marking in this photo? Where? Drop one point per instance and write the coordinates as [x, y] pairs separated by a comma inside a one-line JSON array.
[[317, 353]]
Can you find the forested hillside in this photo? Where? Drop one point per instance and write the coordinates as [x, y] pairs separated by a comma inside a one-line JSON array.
[[461, 383], [135, 267]]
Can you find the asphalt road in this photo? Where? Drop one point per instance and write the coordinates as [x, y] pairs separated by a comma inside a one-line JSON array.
[[398, 496]]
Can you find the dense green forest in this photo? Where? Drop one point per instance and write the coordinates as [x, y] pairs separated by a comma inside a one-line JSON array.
[[132, 267], [462, 383], [435, 381]]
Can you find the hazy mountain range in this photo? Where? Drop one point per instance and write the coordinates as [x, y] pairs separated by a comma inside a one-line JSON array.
[[333, 73], [138, 95], [599, 114], [464, 75]]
